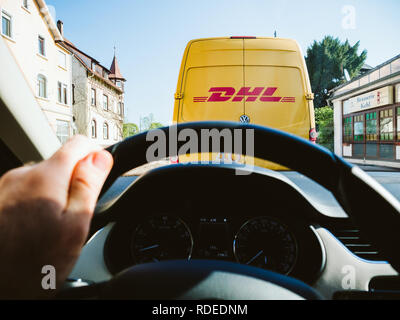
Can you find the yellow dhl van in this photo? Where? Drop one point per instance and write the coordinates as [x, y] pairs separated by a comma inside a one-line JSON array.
[[255, 80]]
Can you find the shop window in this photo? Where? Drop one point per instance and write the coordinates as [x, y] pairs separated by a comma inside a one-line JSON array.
[[386, 125], [371, 150], [348, 129], [358, 150], [398, 123], [371, 126], [386, 151], [359, 128]]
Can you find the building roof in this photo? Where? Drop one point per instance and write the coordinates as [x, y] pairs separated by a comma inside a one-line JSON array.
[[44, 10], [82, 56], [115, 72], [366, 67], [354, 84]]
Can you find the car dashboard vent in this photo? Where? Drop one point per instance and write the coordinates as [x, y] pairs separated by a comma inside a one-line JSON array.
[[357, 244]]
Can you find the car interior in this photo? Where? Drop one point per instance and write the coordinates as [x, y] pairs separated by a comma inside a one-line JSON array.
[[325, 229]]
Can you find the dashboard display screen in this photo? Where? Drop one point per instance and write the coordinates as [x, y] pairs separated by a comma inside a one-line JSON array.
[[214, 240]]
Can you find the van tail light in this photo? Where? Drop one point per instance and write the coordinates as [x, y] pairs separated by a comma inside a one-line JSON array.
[[174, 160], [313, 135]]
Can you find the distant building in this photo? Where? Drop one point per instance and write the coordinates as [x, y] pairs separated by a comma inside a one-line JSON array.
[[34, 40], [98, 96], [365, 68], [367, 116]]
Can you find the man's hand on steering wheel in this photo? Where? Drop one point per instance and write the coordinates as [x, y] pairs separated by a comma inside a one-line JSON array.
[[45, 213]]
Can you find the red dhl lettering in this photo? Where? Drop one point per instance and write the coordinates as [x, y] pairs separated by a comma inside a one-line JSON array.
[[249, 94]]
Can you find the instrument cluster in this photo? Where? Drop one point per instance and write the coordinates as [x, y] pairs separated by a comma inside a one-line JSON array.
[[265, 242]]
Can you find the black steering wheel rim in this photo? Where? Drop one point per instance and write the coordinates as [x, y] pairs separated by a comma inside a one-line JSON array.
[[349, 184]]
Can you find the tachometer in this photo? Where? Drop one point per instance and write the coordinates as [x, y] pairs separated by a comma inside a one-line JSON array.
[[161, 238], [266, 243]]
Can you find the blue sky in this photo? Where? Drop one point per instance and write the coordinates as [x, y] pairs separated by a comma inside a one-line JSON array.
[[151, 35]]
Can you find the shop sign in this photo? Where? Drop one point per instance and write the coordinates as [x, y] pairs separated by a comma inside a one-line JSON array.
[[373, 99]]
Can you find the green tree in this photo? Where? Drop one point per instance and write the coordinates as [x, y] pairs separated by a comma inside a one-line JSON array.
[[327, 61], [130, 129], [324, 123], [155, 125]]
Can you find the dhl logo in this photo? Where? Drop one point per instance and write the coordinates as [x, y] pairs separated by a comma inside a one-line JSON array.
[[263, 94]]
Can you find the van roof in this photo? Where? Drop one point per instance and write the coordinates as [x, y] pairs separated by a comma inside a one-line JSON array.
[[283, 44]]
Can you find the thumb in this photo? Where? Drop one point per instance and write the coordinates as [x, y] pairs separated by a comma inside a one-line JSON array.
[[86, 182]]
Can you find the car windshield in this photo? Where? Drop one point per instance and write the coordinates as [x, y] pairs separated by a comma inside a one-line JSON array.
[[327, 72]]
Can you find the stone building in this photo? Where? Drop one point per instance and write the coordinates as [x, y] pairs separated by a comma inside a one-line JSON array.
[[32, 37], [98, 96]]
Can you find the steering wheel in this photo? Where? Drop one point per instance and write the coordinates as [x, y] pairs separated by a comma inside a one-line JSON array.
[[374, 210]]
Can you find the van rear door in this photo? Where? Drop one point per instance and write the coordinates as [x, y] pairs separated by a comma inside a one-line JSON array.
[[275, 65], [215, 70]]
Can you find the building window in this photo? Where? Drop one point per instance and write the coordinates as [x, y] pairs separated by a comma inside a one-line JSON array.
[[105, 102], [62, 131], [105, 131], [65, 94], [6, 24], [93, 97], [348, 129], [25, 4], [115, 132], [42, 45], [62, 60], [371, 126], [42, 86], [386, 125], [62, 93], [119, 108], [94, 129], [359, 128]]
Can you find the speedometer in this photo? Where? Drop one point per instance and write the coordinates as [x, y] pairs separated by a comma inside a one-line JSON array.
[[161, 238], [266, 243]]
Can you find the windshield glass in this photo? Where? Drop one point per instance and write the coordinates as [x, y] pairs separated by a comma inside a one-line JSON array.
[[327, 72]]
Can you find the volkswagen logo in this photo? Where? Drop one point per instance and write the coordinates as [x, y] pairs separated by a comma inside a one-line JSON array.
[[244, 119]]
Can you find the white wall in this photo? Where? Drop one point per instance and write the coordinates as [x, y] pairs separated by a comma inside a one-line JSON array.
[[27, 25], [337, 120]]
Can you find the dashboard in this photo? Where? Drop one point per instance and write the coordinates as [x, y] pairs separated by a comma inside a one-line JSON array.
[[279, 221], [257, 220]]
